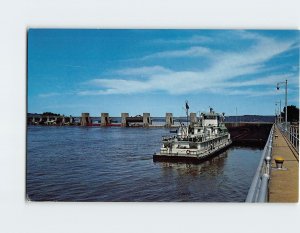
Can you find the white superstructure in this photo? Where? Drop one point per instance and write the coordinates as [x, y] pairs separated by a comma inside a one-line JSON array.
[[198, 140]]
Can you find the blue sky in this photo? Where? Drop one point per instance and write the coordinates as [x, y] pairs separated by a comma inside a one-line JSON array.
[[136, 71]]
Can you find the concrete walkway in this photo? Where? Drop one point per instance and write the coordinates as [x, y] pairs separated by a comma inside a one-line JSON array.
[[284, 183]]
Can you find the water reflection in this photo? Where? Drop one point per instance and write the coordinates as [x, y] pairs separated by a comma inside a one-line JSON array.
[[213, 166], [225, 177]]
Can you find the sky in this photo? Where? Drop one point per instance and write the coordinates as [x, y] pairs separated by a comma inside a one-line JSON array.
[[156, 71]]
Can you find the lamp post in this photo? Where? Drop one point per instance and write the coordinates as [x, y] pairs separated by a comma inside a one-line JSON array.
[[279, 109], [285, 101]]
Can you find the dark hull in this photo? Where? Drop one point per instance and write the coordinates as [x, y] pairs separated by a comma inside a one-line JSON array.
[[186, 159]]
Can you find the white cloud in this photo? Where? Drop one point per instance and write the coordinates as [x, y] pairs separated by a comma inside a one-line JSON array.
[[190, 52], [51, 94], [220, 76], [267, 80], [144, 71], [196, 39], [117, 86]]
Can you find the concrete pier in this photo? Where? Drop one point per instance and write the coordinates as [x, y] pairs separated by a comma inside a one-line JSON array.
[[104, 119], [284, 182], [85, 119], [71, 120], [169, 120], [63, 121], [123, 119], [146, 119]]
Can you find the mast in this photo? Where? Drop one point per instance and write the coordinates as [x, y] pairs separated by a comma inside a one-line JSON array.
[[187, 112]]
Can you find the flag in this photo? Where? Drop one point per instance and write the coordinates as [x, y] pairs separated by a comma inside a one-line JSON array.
[[186, 105]]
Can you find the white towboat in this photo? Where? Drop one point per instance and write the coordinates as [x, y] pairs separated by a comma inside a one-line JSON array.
[[196, 142]]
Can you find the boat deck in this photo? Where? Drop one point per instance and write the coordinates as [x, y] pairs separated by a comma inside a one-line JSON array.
[[193, 158]]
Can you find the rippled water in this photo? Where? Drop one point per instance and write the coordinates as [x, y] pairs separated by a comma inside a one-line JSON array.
[[115, 164]]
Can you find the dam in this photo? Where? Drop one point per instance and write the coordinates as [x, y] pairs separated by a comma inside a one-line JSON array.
[[242, 132]]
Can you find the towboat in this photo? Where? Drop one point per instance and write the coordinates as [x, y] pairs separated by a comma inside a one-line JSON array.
[[207, 136]]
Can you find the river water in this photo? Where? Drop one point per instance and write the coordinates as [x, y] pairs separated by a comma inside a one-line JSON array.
[[115, 164]]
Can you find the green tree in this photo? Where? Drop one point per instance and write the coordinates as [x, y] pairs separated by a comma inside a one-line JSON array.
[[50, 114], [292, 113]]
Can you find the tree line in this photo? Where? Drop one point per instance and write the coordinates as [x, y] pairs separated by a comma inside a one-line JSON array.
[[292, 113]]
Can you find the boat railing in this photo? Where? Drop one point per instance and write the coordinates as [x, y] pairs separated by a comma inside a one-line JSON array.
[[167, 137], [258, 191], [165, 152]]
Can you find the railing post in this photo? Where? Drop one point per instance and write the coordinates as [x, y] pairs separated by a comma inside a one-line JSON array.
[[268, 167], [293, 135], [262, 197], [297, 140]]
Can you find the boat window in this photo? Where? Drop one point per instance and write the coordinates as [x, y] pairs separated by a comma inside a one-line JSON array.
[[210, 117]]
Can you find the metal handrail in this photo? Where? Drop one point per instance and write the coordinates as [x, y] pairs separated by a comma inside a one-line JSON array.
[[292, 134], [258, 191]]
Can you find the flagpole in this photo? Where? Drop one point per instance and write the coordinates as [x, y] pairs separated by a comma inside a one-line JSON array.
[[187, 112]]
